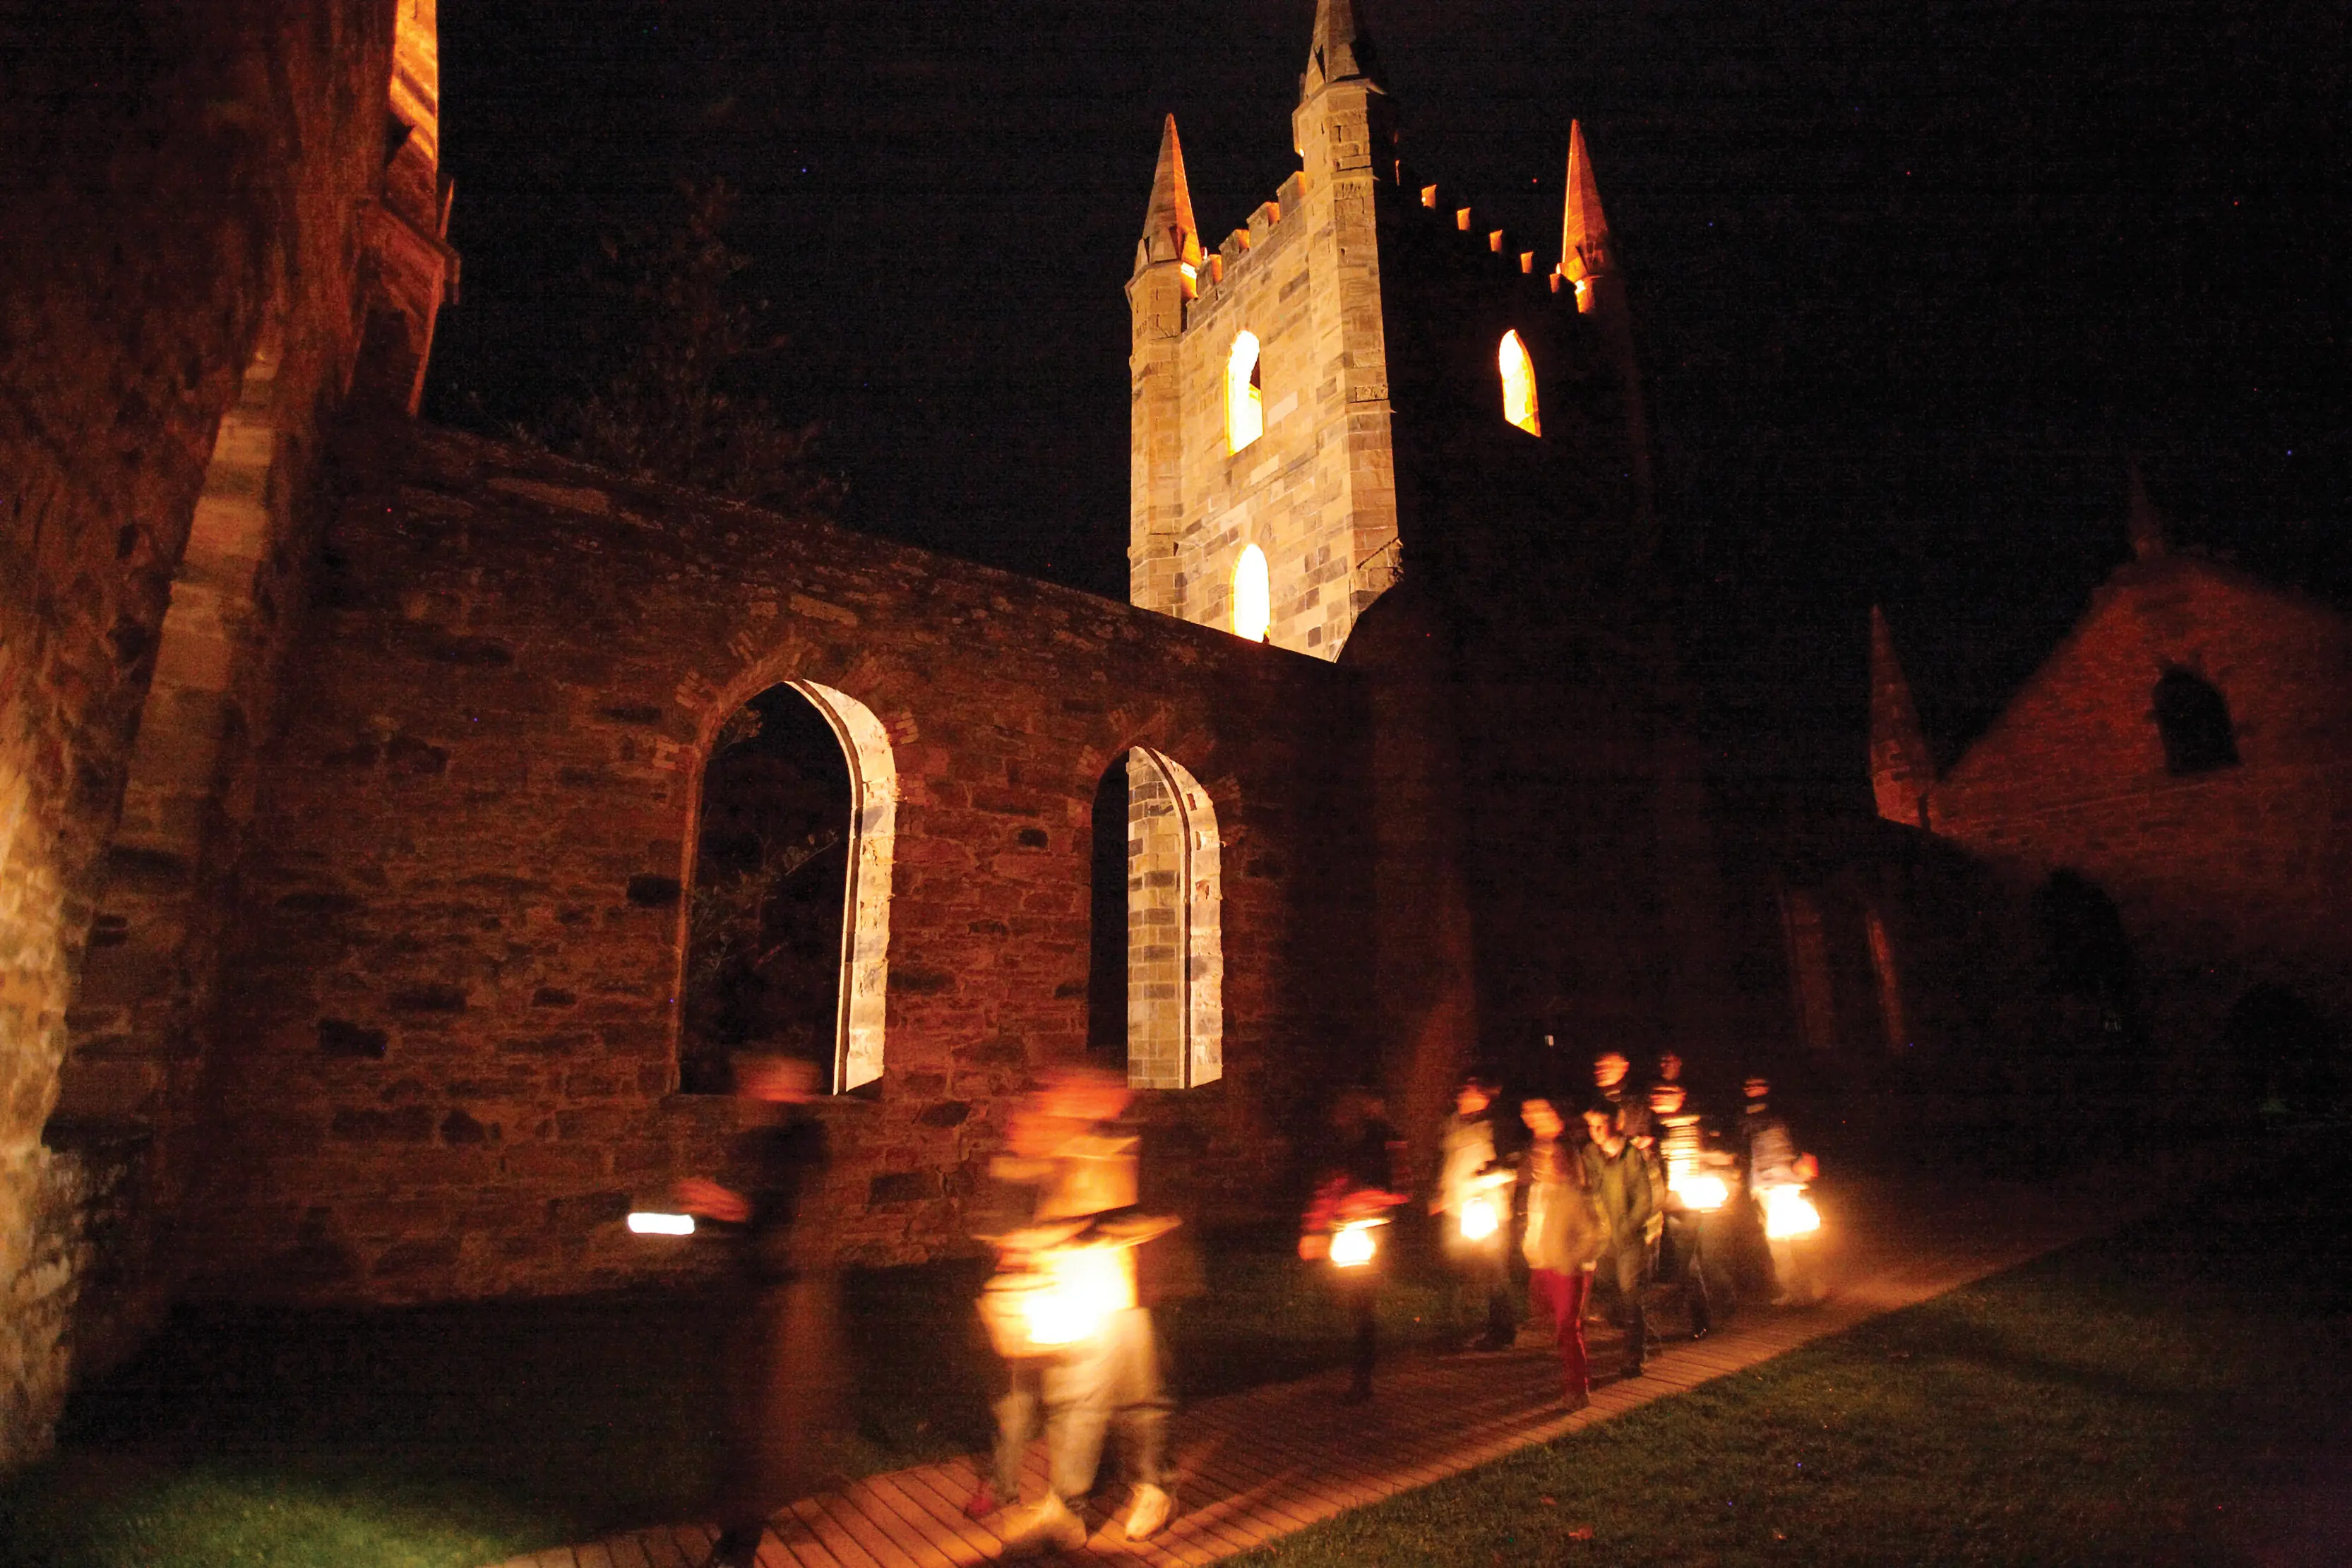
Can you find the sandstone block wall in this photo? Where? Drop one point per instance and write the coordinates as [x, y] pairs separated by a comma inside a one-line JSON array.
[[446, 1055], [1370, 307], [2225, 878], [162, 217], [1316, 492]]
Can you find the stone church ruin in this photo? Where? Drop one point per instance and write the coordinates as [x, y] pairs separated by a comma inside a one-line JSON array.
[[399, 828]]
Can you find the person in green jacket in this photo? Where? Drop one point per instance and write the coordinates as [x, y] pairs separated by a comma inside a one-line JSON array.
[[1619, 1177]]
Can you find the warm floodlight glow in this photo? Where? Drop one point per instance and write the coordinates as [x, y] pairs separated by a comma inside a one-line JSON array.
[[645, 1223], [1253, 596], [1245, 394], [1518, 385], [1787, 1212], [1478, 1220], [1701, 1191], [1353, 1246]]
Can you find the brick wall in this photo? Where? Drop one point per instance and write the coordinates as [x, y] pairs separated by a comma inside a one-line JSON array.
[[445, 1053]]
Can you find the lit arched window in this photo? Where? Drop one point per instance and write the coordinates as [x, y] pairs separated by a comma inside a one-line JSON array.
[[1253, 595], [1518, 385], [1245, 394]]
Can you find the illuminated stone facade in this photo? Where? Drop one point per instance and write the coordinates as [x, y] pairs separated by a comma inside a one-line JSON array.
[[189, 318], [381, 995], [448, 1044]]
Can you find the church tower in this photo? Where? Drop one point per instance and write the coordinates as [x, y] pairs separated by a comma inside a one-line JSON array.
[[1369, 427], [1364, 383], [1262, 479]]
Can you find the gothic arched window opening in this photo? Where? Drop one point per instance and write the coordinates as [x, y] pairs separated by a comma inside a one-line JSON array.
[[788, 919], [1518, 384], [1155, 987], [2193, 719], [1245, 394], [1253, 595]]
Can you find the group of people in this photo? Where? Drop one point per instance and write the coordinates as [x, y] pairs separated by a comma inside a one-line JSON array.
[[1605, 1194], [1613, 1189]]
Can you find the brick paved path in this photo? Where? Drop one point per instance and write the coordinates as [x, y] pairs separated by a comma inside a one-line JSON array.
[[1250, 1467]]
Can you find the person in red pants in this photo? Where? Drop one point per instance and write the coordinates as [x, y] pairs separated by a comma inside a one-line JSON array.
[[1565, 1236]]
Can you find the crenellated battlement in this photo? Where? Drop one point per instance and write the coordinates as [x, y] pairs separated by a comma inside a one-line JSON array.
[[1262, 383]]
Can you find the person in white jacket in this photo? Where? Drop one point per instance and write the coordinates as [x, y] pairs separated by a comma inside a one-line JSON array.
[[1565, 1236], [1472, 1203]]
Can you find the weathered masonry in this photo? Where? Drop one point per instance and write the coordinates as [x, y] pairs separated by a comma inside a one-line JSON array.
[[447, 1056], [353, 774], [2182, 762], [228, 229]]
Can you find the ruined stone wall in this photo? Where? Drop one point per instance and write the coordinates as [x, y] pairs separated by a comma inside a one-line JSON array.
[[2226, 878], [185, 173], [446, 1050]]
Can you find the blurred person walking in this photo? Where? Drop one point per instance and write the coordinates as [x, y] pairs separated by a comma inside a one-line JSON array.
[[1566, 1235], [1777, 1173], [1063, 1200], [1354, 1190], [1698, 1185], [1472, 1204], [786, 1372], [1619, 1177]]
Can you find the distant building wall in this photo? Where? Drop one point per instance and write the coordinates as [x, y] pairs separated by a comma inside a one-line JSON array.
[[446, 1050], [2225, 877]]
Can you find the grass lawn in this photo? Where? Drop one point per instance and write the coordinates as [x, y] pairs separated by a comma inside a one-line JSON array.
[[453, 1436], [2175, 1394]]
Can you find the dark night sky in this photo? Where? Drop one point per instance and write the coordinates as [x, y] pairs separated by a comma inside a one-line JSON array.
[[1913, 278]]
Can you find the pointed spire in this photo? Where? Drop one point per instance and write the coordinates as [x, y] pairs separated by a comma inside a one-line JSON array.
[[2148, 540], [1584, 228], [1901, 770], [1169, 231], [1342, 50]]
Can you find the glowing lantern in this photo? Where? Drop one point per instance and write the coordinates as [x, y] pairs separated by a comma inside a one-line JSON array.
[[644, 1222], [1478, 1222], [1518, 384], [1787, 1212], [1353, 1245], [1083, 1286], [1253, 596], [1701, 1190], [1245, 399]]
